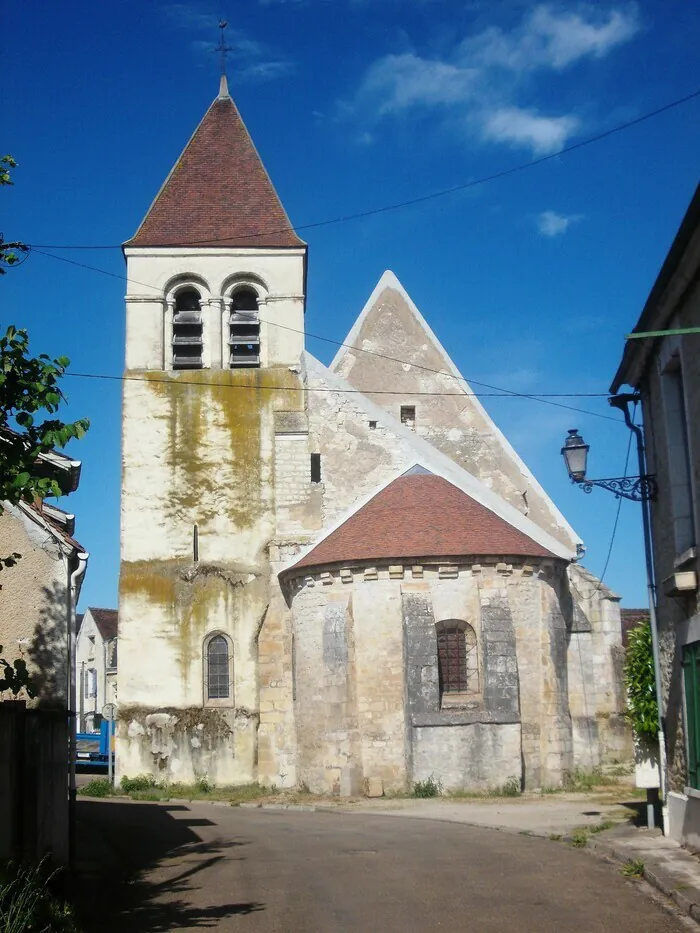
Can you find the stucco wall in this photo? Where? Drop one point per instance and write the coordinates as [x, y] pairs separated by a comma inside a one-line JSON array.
[[33, 604], [675, 613]]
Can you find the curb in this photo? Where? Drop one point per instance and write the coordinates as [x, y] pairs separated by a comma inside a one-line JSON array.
[[653, 873]]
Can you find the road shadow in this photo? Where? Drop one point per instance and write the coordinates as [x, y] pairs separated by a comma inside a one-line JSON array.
[[140, 869]]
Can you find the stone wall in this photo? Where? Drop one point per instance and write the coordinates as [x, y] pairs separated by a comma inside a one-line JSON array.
[[34, 614]]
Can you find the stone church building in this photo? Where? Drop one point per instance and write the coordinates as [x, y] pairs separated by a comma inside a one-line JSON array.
[[334, 576]]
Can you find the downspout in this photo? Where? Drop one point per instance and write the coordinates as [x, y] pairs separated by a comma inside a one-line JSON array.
[[622, 402], [77, 565]]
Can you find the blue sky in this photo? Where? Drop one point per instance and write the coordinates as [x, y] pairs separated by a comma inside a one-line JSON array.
[[530, 281]]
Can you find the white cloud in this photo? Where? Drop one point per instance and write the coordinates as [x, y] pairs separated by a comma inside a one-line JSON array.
[[478, 83], [551, 224], [519, 127], [553, 39]]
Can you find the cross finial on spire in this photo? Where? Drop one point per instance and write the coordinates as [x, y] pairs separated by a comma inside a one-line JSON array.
[[223, 49]]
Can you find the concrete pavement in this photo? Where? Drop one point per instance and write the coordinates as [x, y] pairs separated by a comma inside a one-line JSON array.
[[191, 867]]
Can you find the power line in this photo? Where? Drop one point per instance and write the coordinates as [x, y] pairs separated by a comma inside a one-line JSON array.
[[426, 197], [317, 389], [544, 398]]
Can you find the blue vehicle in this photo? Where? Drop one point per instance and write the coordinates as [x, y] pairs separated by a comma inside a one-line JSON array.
[[92, 748]]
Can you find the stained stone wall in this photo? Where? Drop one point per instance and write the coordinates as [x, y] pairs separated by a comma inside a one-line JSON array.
[[367, 705]]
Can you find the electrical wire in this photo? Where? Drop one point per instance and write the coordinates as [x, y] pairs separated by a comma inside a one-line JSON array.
[[499, 392], [426, 197]]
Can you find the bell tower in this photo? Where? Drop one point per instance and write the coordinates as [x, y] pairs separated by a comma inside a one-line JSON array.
[[214, 336]]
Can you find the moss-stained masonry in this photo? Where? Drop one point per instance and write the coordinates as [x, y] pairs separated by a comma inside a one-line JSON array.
[[237, 402], [198, 451]]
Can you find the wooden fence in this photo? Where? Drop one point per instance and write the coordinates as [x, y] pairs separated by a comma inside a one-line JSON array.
[[33, 782]]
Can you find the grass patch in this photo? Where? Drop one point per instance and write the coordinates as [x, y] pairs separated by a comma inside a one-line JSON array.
[[100, 787], [511, 788], [554, 837], [580, 780], [602, 826], [633, 869], [428, 788], [28, 902], [579, 838]]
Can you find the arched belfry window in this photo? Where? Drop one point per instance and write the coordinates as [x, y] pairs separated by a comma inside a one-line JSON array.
[[244, 329], [458, 658], [187, 330], [217, 668]]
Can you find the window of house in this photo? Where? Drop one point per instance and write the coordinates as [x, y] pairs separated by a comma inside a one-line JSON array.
[[90, 682], [187, 330], [458, 662], [408, 416], [244, 329], [678, 453], [691, 681], [373, 425], [315, 468], [91, 647], [218, 685]]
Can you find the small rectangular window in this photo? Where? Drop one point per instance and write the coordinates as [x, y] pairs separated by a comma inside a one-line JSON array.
[[408, 416], [691, 680], [315, 468], [373, 425]]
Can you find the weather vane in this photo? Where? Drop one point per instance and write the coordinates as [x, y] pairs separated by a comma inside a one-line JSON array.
[[222, 48]]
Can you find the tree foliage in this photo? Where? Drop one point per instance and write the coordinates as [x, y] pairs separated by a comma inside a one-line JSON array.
[[642, 709], [29, 385], [10, 253]]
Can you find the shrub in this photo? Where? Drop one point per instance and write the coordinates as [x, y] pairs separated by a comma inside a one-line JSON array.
[[428, 788], [642, 711], [140, 782], [100, 787]]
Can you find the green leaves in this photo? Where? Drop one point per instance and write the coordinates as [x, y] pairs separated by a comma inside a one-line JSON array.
[[642, 710], [30, 385]]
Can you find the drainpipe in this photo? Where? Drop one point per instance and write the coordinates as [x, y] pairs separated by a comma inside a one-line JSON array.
[[77, 565], [623, 402]]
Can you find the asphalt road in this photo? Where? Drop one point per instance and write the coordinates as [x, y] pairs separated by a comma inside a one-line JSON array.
[[172, 867]]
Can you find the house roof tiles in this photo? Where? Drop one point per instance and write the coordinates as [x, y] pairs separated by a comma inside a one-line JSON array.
[[421, 515], [218, 192]]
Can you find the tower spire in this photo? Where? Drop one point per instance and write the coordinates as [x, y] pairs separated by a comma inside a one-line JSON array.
[[223, 49]]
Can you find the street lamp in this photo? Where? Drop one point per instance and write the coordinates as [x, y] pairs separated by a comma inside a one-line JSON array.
[[575, 452]]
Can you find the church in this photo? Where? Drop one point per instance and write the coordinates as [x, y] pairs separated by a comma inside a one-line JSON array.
[[336, 577]]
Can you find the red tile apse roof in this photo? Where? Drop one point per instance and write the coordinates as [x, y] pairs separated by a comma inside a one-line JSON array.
[[421, 516], [218, 193]]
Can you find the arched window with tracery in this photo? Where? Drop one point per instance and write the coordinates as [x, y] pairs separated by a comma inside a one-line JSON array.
[[217, 668], [187, 330], [244, 329], [458, 658]]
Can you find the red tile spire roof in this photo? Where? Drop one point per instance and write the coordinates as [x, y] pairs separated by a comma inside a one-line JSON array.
[[421, 515], [218, 192]]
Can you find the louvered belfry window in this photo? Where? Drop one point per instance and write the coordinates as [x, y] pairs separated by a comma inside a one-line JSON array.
[[458, 665], [218, 684], [244, 330], [187, 330]]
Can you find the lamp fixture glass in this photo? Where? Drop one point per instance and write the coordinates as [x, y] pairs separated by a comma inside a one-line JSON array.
[[575, 453]]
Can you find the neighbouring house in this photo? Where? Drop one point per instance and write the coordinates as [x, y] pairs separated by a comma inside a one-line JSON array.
[[95, 666], [40, 592], [342, 576], [665, 370]]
